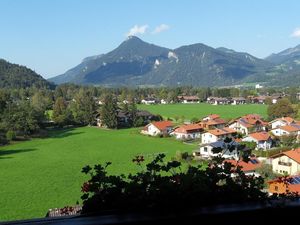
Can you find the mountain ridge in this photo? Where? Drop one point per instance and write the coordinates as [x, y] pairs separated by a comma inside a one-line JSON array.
[[17, 76], [138, 63]]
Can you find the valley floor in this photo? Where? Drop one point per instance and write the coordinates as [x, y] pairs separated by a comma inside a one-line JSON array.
[[46, 173]]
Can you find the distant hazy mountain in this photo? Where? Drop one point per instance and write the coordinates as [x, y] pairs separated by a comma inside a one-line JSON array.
[[287, 55], [17, 76], [136, 62], [286, 71]]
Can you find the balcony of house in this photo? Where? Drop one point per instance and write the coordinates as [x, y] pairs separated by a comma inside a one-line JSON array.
[[284, 163]]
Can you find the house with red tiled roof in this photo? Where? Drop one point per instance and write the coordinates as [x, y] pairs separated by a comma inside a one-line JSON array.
[[283, 121], [248, 124], [216, 135], [188, 131], [188, 99], [283, 185], [262, 139], [249, 168], [158, 128], [287, 162], [212, 121], [292, 129]]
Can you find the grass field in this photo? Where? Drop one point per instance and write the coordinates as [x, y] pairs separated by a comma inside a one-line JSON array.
[[46, 173], [202, 109]]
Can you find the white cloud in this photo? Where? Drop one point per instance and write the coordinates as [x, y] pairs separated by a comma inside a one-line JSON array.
[[162, 27], [296, 33], [137, 30]]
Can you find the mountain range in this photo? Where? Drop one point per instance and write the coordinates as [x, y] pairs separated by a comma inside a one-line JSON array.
[[138, 63]]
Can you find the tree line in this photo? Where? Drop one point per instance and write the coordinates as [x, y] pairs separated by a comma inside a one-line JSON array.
[[26, 111]]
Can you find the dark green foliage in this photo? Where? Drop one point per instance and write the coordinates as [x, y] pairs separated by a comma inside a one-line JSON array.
[[16, 76], [266, 172], [163, 185], [109, 112], [3, 140], [83, 108], [139, 122], [288, 140], [21, 117], [62, 115], [283, 107], [249, 145], [10, 135]]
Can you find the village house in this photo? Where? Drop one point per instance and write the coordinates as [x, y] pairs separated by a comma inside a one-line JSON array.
[[188, 99], [292, 129], [287, 162], [249, 167], [206, 150], [212, 121], [248, 123], [218, 101], [238, 101], [216, 135], [149, 101], [283, 185], [257, 99], [188, 131], [275, 97], [158, 128], [283, 121], [263, 140]]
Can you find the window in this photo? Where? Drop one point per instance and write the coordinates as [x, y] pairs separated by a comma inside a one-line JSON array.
[[276, 188], [205, 149]]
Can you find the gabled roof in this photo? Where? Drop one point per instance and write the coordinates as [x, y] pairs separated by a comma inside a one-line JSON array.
[[260, 136], [239, 98], [290, 128], [284, 119], [249, 120], [222, 131], [213, 121], [188, 128], [251, 165], [185, 97], [292, 154], [162, 125]]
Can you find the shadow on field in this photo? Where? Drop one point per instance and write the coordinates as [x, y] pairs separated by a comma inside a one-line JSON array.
[[62, 133], [4, 153]]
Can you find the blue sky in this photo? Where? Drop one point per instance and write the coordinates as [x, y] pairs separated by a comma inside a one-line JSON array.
[[51, 36]]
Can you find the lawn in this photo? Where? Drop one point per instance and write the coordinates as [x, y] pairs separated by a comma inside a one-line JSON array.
[[202, 109], [46, 173]]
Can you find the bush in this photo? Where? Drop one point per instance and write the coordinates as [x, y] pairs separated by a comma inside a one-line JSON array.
[[10, 135], [162, 185], [3, 140]]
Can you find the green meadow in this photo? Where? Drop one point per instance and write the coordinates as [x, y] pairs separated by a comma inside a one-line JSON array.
[[202, 109], [40, 174]]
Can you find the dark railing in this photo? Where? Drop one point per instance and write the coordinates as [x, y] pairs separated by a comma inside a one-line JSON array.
[[284, 163], [223, 214]]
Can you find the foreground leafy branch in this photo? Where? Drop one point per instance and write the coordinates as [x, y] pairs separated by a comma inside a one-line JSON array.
[[162, 185]]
